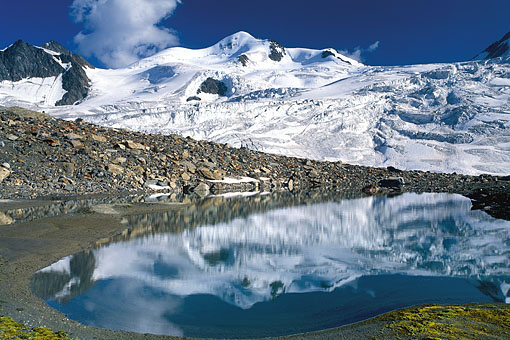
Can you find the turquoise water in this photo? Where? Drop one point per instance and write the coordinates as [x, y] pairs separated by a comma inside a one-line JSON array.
[[266, 266]]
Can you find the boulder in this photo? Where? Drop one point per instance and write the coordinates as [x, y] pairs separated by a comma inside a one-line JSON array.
[[4, 173], [391, 182], [97, 138], [115, 169], [134, 145]]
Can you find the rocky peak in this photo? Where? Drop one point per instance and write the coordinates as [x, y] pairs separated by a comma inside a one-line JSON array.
[[276, 50], [500, 48], [54, 46], [57, 47], [22, 60]]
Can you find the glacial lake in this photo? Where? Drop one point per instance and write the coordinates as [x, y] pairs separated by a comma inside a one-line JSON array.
[[267, 265]]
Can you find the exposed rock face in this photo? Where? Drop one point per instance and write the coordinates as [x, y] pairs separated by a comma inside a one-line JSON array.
[[497, 49], [22, 60], [213, 86], [55, 47], [277, 51], [243, 59], [74, 81], [327, 53]]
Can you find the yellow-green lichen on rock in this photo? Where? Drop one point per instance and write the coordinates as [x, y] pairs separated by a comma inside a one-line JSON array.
[[449, 322], [12, 330]]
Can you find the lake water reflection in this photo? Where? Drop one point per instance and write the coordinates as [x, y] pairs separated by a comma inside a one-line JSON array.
[[261, 266]]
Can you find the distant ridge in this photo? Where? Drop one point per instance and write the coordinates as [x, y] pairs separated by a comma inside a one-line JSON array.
[[500, 48]]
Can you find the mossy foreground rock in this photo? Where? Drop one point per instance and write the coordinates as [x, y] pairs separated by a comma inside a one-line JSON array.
[[9, 329], [478, 321]]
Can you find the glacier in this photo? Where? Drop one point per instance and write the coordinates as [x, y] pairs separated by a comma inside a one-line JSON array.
[[307, 103]]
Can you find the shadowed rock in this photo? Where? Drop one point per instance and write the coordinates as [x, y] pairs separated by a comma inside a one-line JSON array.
[[213, 86]]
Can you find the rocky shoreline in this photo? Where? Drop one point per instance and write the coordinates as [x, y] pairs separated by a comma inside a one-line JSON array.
[[41, 156]]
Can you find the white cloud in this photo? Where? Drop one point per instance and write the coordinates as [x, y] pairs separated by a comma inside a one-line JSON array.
[[358, 52], [120, 32]]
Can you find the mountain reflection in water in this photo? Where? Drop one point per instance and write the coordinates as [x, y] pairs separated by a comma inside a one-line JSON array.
[[264, 252]]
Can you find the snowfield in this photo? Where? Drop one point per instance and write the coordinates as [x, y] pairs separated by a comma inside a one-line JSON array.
[[306, 103]]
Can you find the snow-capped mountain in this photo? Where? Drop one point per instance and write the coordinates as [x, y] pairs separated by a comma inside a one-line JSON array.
[[302, 102], [500, 48], [48, 75]]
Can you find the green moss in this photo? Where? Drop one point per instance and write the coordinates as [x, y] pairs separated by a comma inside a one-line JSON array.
[[450, 322], [12, 330]]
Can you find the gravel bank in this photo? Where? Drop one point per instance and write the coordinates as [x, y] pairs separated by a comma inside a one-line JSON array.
[[41, 156]]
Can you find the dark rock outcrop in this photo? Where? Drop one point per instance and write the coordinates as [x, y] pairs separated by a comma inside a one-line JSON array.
[[213, 86], [327, 53], [75, 82], [22, 60], [56, 47], [497, 49], [276, 50], [243, 59]]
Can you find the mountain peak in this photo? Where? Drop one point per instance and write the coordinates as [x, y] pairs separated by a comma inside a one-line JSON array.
[[500, 48], [22, 61], [54, 46], [236, 41]]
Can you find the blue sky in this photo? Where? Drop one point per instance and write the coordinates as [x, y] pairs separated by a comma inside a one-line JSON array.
[[408, 31]]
